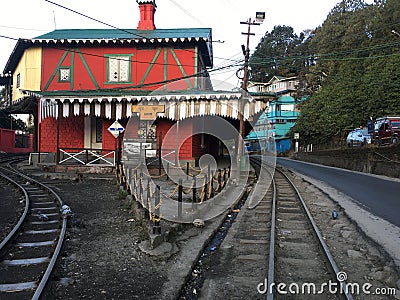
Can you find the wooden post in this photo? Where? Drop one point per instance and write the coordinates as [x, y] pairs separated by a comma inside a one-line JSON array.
[[134, 189], [167, 171], [156, 224], [224, 178], [129, 180], [58, 143], [205, 188], [146, 204], [159, 154], [212, 186], [141, 187], [219, 181], [194, 200], [180, 192]]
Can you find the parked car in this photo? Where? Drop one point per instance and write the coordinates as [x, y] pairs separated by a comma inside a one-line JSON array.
[[386, 130], [358, 137]]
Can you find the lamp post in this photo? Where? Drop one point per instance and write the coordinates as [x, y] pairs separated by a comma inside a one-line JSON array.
[[260, 16]]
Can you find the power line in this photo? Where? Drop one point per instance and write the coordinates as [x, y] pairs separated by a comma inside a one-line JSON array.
[[21, 28], [235, 64], [8, 37], [107, 24], [238, 63], [224, 67], [264, 60], [91, 18], [92, 54], [186, 12], [199, 74]]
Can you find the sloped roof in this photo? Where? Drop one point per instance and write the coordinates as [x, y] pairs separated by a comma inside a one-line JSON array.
[[200, 36], [277, 78], [109, 34], [285, 99], [146, 1], [178, 104], [16, 54]]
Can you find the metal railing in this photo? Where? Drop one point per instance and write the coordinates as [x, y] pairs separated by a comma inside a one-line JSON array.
[[86, 157], [145, 191]]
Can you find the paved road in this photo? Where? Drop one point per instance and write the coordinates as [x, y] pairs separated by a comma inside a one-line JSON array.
[[380, 196]]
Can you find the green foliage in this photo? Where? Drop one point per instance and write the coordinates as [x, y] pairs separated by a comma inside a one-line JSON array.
[[272, 55], [350, 66]]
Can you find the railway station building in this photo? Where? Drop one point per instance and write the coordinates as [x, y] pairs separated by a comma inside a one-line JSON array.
[[83, 81]]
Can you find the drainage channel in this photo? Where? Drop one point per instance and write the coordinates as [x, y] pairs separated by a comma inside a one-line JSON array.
[[193, 285]]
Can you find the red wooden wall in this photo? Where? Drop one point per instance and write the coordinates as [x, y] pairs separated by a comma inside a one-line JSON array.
[[86, 61], [8, 142], [95, 60]]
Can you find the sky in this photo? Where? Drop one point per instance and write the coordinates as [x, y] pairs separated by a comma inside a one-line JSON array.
[[31, 18]]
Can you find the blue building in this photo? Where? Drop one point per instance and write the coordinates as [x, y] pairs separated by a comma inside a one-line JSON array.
[[271, 129]]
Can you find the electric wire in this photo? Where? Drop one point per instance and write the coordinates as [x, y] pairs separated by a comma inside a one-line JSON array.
[[233, 64], [266, 61], [107, 24], [238, 63], [103, 23]]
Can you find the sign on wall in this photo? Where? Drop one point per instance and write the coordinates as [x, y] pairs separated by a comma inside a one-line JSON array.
[[148, 112]]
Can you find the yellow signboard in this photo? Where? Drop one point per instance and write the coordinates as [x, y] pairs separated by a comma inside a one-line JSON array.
[[148, 112]]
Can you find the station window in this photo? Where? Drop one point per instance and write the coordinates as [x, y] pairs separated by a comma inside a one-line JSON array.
[[99, 130], [119, 68], [64, 75], [18, 80]]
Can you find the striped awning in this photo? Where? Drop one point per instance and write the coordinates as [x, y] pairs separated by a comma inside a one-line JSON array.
[[177, 107]]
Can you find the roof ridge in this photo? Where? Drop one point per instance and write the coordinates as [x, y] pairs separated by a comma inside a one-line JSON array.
[[124, 33]]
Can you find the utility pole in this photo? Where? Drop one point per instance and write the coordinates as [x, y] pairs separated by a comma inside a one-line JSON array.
[[246, 53]]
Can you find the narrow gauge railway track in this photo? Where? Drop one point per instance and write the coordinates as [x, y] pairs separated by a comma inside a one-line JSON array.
[[29, 252], [298, 255]]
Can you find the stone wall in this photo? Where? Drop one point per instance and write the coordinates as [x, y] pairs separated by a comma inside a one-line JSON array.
[[375, 160]]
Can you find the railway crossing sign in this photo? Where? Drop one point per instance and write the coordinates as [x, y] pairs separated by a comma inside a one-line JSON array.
[[115, 129]]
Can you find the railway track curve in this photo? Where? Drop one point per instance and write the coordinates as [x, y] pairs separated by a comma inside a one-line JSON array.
[[29, 252]]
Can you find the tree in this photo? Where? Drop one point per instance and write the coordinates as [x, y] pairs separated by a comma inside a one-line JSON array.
[[349, 66], [272, 54], [356, 51]]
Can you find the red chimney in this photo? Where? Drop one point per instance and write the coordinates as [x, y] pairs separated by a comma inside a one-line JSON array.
[[147, 10]]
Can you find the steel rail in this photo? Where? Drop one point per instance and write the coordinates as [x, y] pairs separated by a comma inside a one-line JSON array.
[[321, 241], [271, 254], [46, 276], [16, 228], [271, 257]]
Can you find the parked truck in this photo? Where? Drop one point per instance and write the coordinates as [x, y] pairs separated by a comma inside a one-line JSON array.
[[386, 130]]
